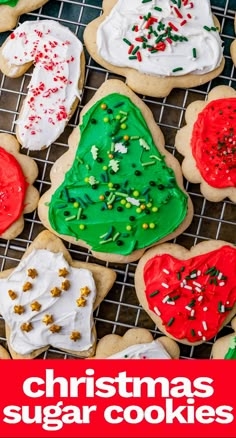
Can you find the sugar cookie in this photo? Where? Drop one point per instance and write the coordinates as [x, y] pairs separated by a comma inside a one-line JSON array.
[[137, 343], [157, 46], [10, 10], [208, 143], [57, 80], [48, 299], [190, 295], [117, 190], [17, 195]]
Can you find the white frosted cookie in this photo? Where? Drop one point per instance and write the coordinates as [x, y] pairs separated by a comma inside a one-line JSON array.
[[137, 343], [233, 45], [17, 194], [117, 190], [10, 10], [57, 80], [208, 142], [189, 294], [225, 347], [48, 299], [157, 46]]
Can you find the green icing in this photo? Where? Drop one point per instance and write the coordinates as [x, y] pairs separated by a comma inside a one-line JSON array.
[[231, 353], [109, 166], [11, 3]]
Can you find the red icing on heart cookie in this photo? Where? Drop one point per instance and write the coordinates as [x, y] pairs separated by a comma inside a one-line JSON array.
[[213, 143], [12, 190], [192, 297]]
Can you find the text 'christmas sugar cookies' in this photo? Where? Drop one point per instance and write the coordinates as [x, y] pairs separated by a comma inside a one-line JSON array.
[[48, 299], [117, 190], [190, 295], [17, 195], [10, 10], [208, 143], [157, 45], [137, 343], [56, 83], [225, 347]]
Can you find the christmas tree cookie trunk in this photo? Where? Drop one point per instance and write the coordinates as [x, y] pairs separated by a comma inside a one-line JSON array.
[[117, 190]]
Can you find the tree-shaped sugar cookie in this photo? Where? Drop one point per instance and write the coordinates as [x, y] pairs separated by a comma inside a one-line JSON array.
[[157, 45], [117, 190], [48, 299], [17, 195], [208, 143], [225, 347]]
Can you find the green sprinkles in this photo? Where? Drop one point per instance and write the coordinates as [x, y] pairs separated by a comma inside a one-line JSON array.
[[170, 322], [153, 294], [175, 70]]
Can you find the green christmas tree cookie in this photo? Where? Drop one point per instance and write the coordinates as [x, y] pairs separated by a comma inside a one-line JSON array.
[[119, 195]]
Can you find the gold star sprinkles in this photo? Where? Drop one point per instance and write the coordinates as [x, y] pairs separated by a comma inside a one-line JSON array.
[[12, 294], [75, 336], [26, 327], [55, 328], [65, 285], [55, 292], [32, 273], [35, 306], [27, 286], [63, 272], [81, 302], [47, 319], [85, 291], [19, 309]]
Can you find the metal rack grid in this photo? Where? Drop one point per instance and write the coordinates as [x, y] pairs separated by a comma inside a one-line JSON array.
[[120, 310]]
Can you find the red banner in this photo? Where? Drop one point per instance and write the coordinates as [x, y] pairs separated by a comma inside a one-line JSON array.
[[117, 398]]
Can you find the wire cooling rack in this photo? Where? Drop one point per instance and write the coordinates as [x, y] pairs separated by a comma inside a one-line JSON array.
[[120, 310]]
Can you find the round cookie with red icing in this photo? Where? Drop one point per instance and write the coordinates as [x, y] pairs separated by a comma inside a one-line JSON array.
[[208, 143], [233, 45], [17, 194], [10, 10], [225, 347], [190, 295]]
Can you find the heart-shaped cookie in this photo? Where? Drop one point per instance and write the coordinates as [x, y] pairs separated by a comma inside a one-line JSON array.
[[189, 294]]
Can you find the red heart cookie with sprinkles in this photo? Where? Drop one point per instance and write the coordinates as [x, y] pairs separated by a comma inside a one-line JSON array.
[[192, 294]]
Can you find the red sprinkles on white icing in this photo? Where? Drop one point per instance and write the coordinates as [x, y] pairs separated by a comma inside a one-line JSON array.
[[53, 89]]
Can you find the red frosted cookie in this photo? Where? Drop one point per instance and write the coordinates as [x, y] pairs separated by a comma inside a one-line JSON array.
[[208, 143], [17, 195], [190, 295]]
